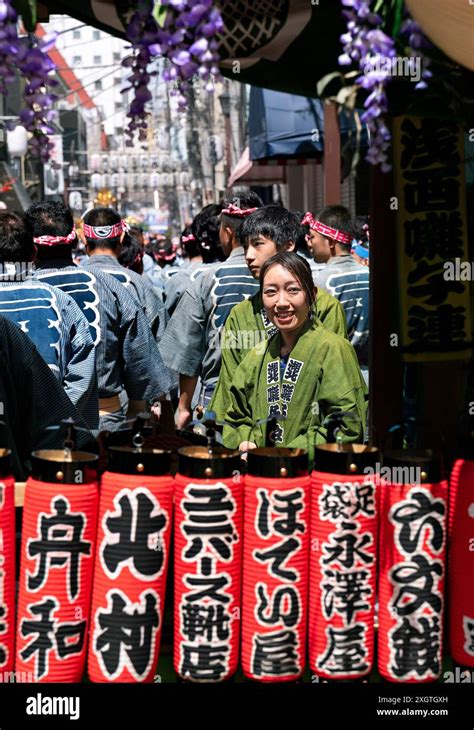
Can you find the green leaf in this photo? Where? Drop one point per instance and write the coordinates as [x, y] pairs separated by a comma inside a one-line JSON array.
[[27, 10], [159, 13], [398, 17]]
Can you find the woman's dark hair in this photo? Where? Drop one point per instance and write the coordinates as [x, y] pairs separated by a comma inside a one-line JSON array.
[[190, 246], [102, 217], [303, 231], [131, 254], [273, 222], [297, 266], [16, 238], [205, 229]]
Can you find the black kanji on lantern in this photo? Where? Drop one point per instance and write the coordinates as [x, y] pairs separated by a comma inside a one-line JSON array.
[[133, 535], [344, 501], [345, 593], [277, 556], [415, 581], [275, 654], [127, 632], [346, 651], [415, 647], [468, 628], [346, 545], [207, 586], [208, 524], [283, 606], [66, 638], [418, 515], [278, 512], [3, 628], [210, 622], [60, 541], [204, 662]]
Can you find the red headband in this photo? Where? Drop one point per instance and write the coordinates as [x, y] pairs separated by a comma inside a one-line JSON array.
[[238, 212], [53, 240], [186, 239], [319, 227], [98, 232]]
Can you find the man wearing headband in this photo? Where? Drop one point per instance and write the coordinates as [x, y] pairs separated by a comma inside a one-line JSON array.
[[266, 232], [104, 231], [129, 366], [191, 344], [331, 238], [49, 317]]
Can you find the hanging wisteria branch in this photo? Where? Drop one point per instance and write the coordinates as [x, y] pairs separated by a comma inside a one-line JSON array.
[[186, 37], [29, 56], [368, 46]]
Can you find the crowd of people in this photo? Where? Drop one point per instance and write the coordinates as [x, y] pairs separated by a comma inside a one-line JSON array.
[[264, 322]]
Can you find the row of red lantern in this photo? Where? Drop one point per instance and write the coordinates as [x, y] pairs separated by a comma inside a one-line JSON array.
[[257, 561]]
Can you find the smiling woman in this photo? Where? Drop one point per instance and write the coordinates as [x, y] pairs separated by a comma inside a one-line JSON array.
[[302, 375]]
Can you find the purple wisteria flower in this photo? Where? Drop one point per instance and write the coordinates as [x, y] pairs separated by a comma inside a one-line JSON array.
[[417, 41], [30, 56], [366, 45], [187, 41]]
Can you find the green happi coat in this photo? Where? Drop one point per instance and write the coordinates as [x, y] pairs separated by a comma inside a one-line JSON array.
[[248, 324], [322, 376]]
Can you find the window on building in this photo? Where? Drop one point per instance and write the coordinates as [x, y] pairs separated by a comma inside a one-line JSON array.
[[118, 106], [98, 60], [118, 131], [98, 84], [76, 34], [116, 57], [96, 35], [76, 60], [117, 80]]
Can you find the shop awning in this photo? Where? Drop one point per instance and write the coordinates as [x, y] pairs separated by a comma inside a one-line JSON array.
[[264, 172]]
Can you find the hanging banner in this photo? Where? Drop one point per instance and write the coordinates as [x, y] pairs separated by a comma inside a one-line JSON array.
[[434, 281]]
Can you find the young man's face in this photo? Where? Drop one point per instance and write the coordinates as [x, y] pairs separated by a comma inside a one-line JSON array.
[[259, 250], [319, 247]]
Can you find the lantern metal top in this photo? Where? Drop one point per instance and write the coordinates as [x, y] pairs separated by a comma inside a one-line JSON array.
[[277, 463], [202, 462], [139, 461], [63, 466], [6, 468], [342, 458]]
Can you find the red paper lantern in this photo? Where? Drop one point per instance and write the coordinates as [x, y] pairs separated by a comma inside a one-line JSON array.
[[57, 559], [275, 564], [411, 567], [7, 565], [208, 563], [343, 561], [461, 562], [133, 537]]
